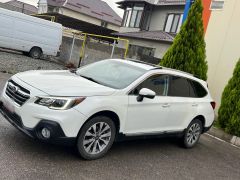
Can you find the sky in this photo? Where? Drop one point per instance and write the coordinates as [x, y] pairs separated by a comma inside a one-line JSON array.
[[110, 2]]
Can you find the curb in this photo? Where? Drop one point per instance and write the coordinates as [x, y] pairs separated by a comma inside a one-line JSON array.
[[218, 133]]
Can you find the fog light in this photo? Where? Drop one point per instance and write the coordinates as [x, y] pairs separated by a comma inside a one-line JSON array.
[[46, 133]]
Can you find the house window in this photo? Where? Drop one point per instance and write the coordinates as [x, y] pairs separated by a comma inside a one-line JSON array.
[[216, 5], [173, 23], [133, 16], [138, 52], [147, 18], [128, 17]]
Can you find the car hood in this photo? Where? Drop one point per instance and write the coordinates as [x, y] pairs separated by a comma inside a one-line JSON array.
[[63, 83]]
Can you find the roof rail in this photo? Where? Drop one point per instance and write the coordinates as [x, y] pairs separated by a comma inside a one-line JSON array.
[[142, 62], [161, 67], [176, 70]]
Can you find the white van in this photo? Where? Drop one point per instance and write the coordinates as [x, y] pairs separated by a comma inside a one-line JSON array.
[[32, 35]]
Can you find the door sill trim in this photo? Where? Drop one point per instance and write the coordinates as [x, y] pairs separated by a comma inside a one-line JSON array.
[[154, 133]]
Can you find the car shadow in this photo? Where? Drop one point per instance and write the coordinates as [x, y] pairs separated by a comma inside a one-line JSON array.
[[10, 51], [22, 145]]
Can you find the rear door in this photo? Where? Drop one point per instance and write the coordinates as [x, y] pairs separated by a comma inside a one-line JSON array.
[[183, 103]]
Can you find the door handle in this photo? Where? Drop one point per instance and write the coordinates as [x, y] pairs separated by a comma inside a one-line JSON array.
[[166, 105], [194, 105]]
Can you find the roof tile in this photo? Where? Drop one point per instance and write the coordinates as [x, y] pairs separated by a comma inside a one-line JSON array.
[[157, 2], [20, 4], [95, 8]]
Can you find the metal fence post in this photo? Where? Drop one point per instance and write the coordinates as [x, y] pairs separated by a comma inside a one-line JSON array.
[[127, 48], [113, 48], [82, 50], [73, 43]]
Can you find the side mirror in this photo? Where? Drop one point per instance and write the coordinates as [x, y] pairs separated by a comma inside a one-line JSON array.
[[145, 93]]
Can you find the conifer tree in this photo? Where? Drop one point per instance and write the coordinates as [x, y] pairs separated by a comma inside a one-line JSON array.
[[187, 52], [229, 111]]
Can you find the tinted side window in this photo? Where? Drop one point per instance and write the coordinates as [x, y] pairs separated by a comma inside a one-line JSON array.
[[157, 83], [199, 90], [180, 87], [192, 92]]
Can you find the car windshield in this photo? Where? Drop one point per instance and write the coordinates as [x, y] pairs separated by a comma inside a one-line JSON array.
[[110, 73]]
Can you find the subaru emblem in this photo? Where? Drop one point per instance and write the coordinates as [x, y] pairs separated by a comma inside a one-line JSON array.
[[15, 89]]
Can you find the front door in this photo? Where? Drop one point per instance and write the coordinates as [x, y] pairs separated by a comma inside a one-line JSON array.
[[150, 115]]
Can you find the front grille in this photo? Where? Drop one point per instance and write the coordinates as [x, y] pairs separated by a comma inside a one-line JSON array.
[[17, 93], [13, 116]]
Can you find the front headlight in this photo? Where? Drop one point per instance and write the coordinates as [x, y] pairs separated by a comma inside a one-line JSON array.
[[59, 103]]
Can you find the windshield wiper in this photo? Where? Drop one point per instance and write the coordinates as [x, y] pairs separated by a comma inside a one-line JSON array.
[[90, 79]]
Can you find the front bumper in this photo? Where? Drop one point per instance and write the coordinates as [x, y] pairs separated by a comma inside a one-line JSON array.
[[57, 134]]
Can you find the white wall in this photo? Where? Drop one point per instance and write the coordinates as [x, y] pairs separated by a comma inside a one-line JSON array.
[[223, 46], [127, 29]]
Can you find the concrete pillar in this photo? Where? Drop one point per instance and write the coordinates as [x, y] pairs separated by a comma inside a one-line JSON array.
[[42, 6]]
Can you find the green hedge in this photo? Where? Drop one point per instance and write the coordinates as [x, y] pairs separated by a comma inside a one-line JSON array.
[[187, 52], [229, 111]]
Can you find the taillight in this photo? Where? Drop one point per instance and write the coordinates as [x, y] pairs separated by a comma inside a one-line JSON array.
[[213, 104]]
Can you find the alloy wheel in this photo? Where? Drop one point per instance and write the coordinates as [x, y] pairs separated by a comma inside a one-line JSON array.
[[193, 133], [96, 138]]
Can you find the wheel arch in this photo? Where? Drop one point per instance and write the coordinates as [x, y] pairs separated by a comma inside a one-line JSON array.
[[36, 47], [107, 113], [202, 119]]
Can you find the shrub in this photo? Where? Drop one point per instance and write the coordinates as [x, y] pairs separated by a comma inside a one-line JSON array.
[[187, 52], [229, 111]]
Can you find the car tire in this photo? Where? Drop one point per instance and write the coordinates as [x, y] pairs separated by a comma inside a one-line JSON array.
[[35, 53], [96, 138], [192, 134]]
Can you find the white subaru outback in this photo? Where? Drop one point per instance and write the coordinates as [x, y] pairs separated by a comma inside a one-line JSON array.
[[98, 103]]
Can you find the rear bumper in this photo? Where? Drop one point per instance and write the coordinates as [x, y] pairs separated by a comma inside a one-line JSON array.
[[57, 134], [206, 129]]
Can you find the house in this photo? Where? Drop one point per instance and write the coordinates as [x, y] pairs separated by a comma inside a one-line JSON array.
[[222, 43], [19, 6], [150, 26], [94, 16]]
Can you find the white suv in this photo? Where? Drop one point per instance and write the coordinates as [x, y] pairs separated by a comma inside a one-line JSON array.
[[98, 103]]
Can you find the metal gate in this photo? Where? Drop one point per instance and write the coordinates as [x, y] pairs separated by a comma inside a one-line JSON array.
[[93, 47]]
